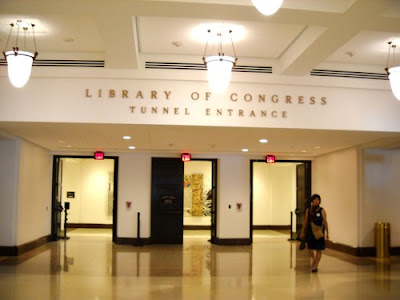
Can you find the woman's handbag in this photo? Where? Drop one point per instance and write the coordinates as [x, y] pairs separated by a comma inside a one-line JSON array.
[[302, 245], [317, 231]]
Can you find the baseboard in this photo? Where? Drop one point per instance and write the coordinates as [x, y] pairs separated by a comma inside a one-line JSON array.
[[196, 227], [89, 225], [132, 241], [232, 242], [359, 251], [18, 250], [271, 227], [395, 250]]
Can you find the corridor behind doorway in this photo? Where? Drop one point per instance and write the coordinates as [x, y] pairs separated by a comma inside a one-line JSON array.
[[85, 192]]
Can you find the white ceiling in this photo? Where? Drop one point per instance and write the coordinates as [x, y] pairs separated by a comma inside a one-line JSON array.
[[304, 35]]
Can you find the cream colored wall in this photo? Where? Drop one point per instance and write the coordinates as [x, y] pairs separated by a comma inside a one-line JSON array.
[[34, 193], [274, 193], [71, 170], [233, 187], [205, 168], [88, 178], [380, 194], [9, 160], [335, 177], [134, 185]]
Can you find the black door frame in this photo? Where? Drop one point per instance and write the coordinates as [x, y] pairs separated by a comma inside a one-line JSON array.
[[308, 179], [56, 159], [214, 186]]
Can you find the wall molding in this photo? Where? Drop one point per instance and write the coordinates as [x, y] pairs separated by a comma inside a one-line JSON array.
[[197, 227], [132, 241], [232, 242], [88, 225], [18, 250], [359, 251]]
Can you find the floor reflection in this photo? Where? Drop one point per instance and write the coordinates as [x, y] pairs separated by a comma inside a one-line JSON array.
[[90, 266]]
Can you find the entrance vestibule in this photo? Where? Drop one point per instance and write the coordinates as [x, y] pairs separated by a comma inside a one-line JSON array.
[[279, 194], [83, 188]]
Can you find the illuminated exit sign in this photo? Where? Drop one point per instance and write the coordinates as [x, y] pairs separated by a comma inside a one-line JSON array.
[[186, 157], [98, 155], [270, 159]]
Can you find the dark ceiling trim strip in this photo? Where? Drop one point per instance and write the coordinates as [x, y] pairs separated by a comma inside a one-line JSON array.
[[202, 67], [349, 74], [63, 63]]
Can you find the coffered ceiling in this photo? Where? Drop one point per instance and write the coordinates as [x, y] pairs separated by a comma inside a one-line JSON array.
[[305, 35]]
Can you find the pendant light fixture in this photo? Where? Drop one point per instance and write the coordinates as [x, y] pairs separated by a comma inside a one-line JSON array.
[[267, 7], [219, 66], [394, 71], [19, 61]]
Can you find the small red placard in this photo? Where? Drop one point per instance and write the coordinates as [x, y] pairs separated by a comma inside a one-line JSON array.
[[186, 157], [98, 155], [270, 159]]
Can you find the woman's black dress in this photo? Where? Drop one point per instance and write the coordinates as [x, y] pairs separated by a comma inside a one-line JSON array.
[[312, 243]]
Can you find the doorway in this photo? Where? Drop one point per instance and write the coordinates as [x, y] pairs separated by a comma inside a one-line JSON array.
[[84, 192], [279, 193], [183, 196]]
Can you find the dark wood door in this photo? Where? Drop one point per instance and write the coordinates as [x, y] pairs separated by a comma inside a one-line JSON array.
[[214, 203], [56, 199], [303, 193], [167, 201]]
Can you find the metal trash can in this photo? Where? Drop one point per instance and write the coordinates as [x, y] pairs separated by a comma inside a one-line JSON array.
[[382, 239]]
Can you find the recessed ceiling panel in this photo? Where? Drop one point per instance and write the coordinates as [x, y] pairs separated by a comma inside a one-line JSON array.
[[338, 6], [176, 36], [367, 48], [58, 33]]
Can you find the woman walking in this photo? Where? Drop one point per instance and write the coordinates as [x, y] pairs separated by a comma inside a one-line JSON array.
[[315, 230]]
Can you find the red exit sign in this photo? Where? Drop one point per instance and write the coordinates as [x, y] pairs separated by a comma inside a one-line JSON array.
[[186, 157], [98, 155], [270, 159]]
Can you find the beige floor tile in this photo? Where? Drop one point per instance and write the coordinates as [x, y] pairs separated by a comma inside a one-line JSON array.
[[90, 266]]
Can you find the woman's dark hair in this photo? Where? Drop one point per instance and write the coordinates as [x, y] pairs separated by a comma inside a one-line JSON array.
[[316, 196]]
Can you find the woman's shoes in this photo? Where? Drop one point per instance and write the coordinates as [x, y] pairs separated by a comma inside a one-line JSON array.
[[315, 270]]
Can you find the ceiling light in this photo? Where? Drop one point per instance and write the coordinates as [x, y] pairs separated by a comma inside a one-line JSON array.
[[219, 66], [126, 137], [19, 61], [245, 150], [132, 147], [267, 7], [263, 141], [394, 71]]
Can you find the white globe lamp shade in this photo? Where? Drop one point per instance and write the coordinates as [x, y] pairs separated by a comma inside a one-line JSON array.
[[219, 70], [19, 67], [267, 7], [394, 78]]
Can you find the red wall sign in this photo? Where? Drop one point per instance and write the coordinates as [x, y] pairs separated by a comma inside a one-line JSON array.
[[270, 159], [98, 155], [186, 157]]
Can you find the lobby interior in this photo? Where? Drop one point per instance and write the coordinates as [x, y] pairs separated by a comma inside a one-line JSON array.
[[146, 49]]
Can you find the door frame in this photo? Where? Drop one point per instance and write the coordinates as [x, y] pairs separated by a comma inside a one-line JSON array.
[[214, 186], [308, 179], [56, 159]]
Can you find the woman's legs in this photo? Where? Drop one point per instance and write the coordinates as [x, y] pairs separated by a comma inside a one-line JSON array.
[[311, 252], [316, 260]]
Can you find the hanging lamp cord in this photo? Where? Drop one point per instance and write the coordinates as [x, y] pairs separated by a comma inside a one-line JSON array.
[[8, 38]]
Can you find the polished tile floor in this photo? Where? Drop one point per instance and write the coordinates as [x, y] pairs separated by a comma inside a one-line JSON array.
[[89, 266]]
